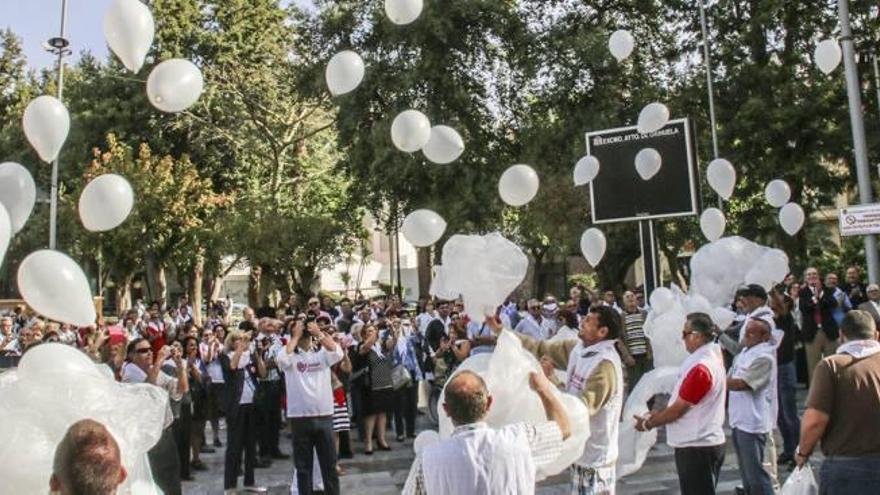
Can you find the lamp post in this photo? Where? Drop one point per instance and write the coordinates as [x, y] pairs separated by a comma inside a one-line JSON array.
[[853, 89], [59, 47], [710, 87]]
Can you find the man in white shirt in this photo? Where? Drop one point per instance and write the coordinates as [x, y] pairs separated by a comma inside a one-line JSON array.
[[752, 405], [531, 325], [479, 460], [310, 404]]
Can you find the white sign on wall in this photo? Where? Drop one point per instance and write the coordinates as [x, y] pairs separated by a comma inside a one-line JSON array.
[[860, 220]]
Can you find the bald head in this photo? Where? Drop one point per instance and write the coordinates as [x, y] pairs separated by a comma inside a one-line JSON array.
[[757, 332], [467, 398], [87, 461]]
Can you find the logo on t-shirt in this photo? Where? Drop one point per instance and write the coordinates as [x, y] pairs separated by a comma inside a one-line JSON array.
[[304, 367], [301, 366]]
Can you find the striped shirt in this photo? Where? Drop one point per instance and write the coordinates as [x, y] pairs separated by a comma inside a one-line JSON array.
[[635, 334], [545, 442]]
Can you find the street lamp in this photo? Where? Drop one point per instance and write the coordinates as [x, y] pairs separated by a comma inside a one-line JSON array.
[[57, 46], [853, 89], [707, 61]]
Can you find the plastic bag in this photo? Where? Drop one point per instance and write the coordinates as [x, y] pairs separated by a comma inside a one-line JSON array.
[[506, 372], [800, 482]]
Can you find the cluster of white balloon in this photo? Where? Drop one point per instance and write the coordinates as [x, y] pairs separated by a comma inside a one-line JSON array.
[[51, 282]]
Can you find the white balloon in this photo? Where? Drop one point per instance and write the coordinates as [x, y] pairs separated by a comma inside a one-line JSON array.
[[828, 55], [56, 287], [518, 185], [593, 244], [444, 146], [722, 317], [777, 193], [5, 232], [653, 117], [410, 131], [425, 439], [648, 162], [129, 31], [662, 300], [712, 223], [586, 169], [423, 228], [722, 177], [174, 85], [403, 12], [791, 217], [46, 124], [344, 73], [621, 44], [105, 202], [17, 193]]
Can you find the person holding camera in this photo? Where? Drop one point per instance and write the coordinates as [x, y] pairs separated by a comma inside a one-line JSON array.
[[306, 363]]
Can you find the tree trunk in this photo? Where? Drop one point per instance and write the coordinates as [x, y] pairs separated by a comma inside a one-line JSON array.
[[539, 286], [304, 281], [255, 286], [424, 270], [216, 286], [123, 294], [157, 286], [196, 279]]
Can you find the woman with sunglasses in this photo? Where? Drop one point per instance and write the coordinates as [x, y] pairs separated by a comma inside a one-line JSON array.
[[141, 367]]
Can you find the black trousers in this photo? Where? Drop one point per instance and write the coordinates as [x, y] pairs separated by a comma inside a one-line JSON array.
[[241, 438], [269, 417], [405, 408], [314, 436], [698, 469], [182, 428], [165, 464]]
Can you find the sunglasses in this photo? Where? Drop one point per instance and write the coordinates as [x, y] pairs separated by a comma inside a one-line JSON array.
[[143, 351]]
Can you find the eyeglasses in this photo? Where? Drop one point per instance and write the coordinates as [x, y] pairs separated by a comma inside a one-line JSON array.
[[146, 350], [313, 303]]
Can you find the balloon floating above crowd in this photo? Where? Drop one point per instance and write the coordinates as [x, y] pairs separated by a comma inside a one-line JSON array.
[[402, 12], [828, 55], [410, 131], [175, 85], [621, 44], [648, 163], [56, 287], [105, 202], [722, 177], [129, 30], [652, 118], [5, 232], [46, 124], [18, 193], [713, 223], [585, 170], [518, 185], [444, 145], [777, 193], [593, 245], [344, 73], [422, 228], [791, 218]]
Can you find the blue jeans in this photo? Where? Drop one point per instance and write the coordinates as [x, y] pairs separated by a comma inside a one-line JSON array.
[[850, 476], [750, 456], [788, 421]]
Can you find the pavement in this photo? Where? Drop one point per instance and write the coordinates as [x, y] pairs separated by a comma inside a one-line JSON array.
[[384, 473]]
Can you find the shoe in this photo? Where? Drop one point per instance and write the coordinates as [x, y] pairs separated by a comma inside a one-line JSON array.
[[400, 438], [784, 458], [263, 463], [255, 489], [385, 447], [198, 466], [280, 455], [208, 449], [217, 442], [339, 470], [368, 452]]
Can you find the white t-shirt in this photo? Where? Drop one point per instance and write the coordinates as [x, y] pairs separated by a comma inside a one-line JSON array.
[[308, 383], [215, 370], [247, 391]]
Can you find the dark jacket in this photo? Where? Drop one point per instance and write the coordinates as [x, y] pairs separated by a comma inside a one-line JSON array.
[[826, 304], [234, 384]]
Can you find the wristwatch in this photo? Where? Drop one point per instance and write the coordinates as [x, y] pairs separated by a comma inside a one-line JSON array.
[[797, 452]]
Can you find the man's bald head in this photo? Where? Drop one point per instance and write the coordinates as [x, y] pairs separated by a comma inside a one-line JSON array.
[[87, 461], [467, 398]]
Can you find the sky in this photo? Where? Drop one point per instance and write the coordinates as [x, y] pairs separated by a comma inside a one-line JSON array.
[[35, 21]]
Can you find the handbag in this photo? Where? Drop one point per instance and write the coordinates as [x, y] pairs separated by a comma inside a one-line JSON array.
[[400, 377]]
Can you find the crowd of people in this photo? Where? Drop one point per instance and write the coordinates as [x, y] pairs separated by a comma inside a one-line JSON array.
[[327, 368]]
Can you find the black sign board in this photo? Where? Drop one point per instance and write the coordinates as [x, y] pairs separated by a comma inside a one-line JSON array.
[[619, 194]]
